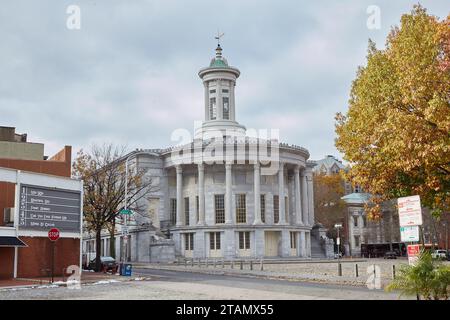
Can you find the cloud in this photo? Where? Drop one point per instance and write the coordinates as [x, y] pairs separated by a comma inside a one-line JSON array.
[[129, 75]]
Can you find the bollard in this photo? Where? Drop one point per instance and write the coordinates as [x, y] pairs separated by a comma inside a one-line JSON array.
[[393, 271], [223, 263], [199, 263], [251, 264], [232, 264], [356, 270], [242, 264], [214, 263], [185, 263], [192, 262], [261, 265], [206, 263], [339, 269]]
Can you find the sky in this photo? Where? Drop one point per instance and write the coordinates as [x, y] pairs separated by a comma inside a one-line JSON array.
[[129, 74]]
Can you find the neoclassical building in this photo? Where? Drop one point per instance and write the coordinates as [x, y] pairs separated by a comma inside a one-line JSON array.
[[225, 194]]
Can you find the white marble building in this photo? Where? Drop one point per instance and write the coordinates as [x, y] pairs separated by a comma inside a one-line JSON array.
[[227, 202]]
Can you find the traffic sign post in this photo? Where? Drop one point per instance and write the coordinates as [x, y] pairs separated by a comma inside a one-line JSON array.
[[53, 235], [410, 218]]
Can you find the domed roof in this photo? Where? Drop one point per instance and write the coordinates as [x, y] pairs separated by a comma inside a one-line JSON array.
[[218, 63]]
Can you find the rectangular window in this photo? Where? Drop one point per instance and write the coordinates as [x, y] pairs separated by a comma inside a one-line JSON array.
[[364, 218], [214, 240], [186, 211], [293, 240], [224, 90], [356, 241], [276, 209], [286, 208], [173, 210], [219, 203], [355, 221], [241, 210], [212, 108], [197, 209], [244, 240], [226, 108], [189, 241], [263, 208], [212, 91]]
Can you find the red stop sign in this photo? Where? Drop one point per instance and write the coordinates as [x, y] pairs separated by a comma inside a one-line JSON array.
[[53, 234]]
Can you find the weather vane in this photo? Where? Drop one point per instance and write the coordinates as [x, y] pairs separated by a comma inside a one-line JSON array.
[[219, 35]]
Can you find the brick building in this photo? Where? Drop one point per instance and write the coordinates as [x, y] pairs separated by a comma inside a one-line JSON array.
[[28, 253]]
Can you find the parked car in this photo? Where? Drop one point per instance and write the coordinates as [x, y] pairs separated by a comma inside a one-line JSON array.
[[390, 255], [107, 264], [439, 254]]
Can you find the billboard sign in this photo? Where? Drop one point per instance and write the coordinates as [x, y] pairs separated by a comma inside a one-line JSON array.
[[43, 208], [409, 211], [413, 253]]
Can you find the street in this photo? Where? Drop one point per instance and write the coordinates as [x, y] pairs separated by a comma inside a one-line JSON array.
[[179, 285]]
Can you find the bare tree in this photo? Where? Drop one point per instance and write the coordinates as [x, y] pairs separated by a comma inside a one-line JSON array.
[[104, 176]]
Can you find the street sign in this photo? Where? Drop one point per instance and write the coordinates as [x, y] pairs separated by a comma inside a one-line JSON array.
[[53, 234], [409, 234], [413, 253], [409, 211], [125, 211], [42, 208]]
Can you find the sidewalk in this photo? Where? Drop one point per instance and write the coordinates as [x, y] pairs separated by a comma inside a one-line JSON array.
[[86, 278]]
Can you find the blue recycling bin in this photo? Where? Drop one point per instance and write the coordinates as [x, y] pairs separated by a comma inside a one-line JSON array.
[[126, 269]]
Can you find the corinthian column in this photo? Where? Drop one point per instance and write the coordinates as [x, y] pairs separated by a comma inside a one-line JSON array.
[[298, 209], [228, 183], [179, 195], [304, 192], [201, 194], [281, 193], [257, 192]]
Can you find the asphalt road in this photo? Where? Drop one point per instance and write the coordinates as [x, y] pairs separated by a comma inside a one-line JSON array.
[[314, 290]]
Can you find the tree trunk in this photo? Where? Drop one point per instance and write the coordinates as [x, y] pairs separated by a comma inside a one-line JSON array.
[[112, 240], [98, 243]]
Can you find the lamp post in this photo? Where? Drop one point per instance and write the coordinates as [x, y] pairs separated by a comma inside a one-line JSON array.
[[338, 242]]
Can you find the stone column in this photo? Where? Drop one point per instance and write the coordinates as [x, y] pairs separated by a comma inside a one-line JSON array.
[[310, 199], [228, 198], [179, 195], [232, 115], [304, 197], [201, 194], [281, 193], [257, 193], [206, 101], [298, 209], [219, 103]]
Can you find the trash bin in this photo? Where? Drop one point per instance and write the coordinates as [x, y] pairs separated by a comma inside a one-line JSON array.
[[125, 269]]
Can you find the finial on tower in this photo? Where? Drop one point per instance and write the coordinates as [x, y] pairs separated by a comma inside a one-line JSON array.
[[219, 49]]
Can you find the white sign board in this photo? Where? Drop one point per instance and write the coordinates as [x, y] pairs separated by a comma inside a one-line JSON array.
[[409, 211], [409, 234]]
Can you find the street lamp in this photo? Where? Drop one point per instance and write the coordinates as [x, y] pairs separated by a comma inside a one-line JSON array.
[[338, 242]]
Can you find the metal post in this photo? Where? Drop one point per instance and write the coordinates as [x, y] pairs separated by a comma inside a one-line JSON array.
[[192, 262], [261, 265], [242, 264], [393, 271], [232, 264], [206, 262], [214, 263], [339, 269], [356, 270], [223, 263], [199, 263], [53, 260], [251, 264]]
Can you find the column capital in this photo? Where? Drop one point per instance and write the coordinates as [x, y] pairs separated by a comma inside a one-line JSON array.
[[297, 169], [256, 165], [228, 165], [178, 168], [200, 166]]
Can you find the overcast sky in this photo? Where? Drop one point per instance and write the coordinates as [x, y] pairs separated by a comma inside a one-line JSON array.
[[129, 74]]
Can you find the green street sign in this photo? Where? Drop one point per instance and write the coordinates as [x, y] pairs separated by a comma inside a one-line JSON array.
[[123, 211]]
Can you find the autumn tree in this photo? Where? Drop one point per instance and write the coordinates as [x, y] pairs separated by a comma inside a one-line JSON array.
[[103, 173], [396, 132], [328, 207]]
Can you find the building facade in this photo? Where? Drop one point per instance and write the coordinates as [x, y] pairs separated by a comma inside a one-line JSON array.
[[225, 194], [27, 253]]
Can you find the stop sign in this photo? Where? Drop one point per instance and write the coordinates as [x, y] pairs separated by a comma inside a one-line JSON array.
[[53, 234]]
